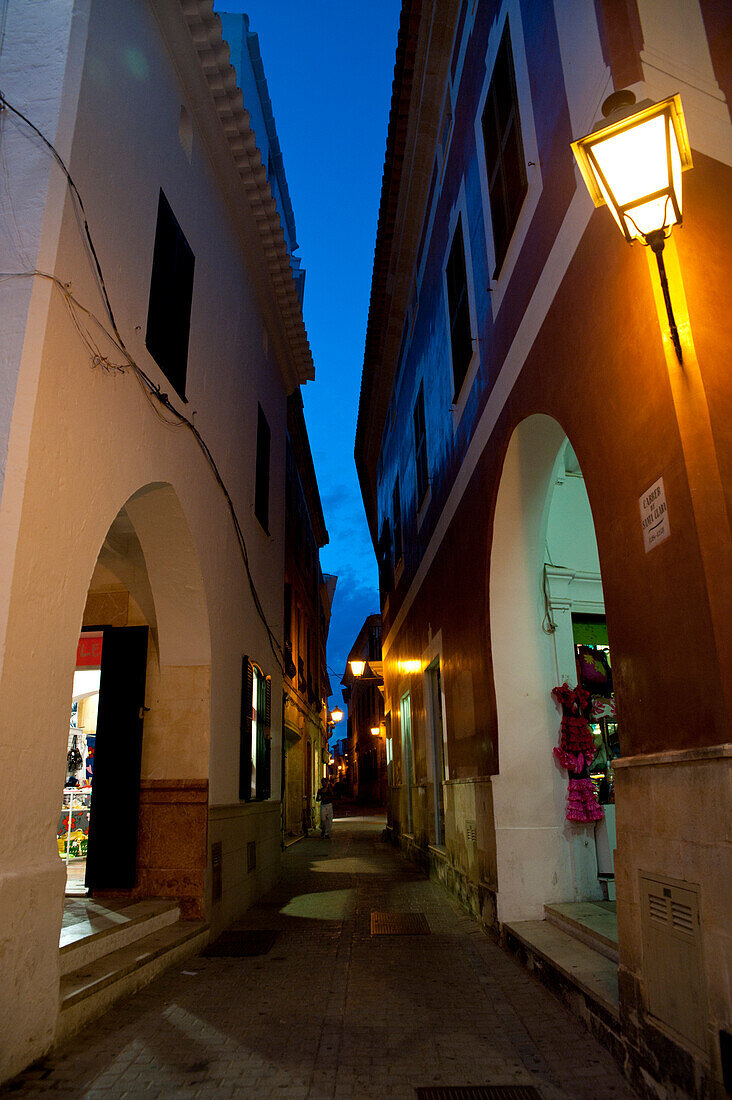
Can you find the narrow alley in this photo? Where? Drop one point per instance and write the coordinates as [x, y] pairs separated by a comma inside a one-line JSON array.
[[332, 1011]]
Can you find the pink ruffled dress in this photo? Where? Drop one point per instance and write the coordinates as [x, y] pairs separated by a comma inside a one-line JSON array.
[[575, 752]]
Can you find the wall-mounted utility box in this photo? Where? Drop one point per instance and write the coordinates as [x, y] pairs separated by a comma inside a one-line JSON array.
[[672, 957]]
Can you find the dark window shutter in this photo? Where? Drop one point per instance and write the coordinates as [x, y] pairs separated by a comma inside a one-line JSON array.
[[262, 746], [171, 296], [268, 705], [245, 728], [420, 446], [261, 488], [397, 516], [504, 150], [383, 551], [461, 342], [267, 774]]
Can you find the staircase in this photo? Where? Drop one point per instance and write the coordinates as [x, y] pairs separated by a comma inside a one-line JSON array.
[[116, 951], [574, 951]]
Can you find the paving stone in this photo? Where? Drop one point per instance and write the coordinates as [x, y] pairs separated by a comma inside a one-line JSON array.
[[333, 1013]]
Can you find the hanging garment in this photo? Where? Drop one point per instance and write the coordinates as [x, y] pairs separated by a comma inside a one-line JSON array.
[[575, 753]]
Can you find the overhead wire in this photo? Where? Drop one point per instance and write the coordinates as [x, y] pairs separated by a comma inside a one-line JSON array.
[[156, 397]]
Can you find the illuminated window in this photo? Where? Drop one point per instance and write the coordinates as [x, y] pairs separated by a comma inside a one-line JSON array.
[[255, 739]]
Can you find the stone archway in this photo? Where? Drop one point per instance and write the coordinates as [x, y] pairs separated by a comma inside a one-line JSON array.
[[148, 575], [534, 587]]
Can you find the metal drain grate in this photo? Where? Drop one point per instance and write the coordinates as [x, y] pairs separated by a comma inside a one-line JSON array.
[[240, 944], [479, 1092], [399, 924]]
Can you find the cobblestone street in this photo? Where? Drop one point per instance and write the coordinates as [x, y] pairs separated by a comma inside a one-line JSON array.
[[332, 1012]]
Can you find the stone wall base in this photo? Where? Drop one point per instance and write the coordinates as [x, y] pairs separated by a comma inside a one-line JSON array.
[[171, 845], [478, 898], [656, 1066], [248, 840]]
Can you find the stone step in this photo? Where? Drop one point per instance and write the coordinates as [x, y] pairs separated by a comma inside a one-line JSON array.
[[90, 990], [110, 928], [565, 964], [588, 922]]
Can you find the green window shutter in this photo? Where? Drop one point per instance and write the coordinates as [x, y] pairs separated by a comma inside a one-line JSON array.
[[267, 775], [262, 748], [245, 731]]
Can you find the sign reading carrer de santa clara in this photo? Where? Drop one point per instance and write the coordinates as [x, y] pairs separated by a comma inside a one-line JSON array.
[[654, 515]]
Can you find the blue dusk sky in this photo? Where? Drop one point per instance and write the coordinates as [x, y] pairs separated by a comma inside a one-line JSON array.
[[329, 66]]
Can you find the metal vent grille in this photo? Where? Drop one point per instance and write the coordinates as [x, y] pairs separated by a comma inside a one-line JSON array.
[[399, 924], [471, 832], [479, 1092], [682, 918], [672, 957], [658, 908]]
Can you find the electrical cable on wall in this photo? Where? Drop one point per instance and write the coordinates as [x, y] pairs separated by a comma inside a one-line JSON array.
[[153, 393], [547, 624]]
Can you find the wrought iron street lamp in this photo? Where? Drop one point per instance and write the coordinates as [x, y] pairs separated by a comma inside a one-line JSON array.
[[632, 161], [336, 715], [359, 670]]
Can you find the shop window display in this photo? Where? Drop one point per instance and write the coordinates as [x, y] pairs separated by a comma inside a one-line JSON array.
[[72, 834], [594, 674]]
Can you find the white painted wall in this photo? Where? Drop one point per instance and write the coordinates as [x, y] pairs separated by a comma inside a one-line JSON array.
[[541, 857], [81, 441], [570, 538]]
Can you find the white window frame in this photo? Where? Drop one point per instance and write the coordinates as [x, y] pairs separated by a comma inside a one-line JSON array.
[[460, 211], [511, 11]]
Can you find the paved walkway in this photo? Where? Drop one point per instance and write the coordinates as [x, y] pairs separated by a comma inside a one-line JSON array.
[[331, 1012]]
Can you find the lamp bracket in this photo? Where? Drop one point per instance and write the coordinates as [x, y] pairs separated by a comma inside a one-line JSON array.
[[616, 101], [656, 241]]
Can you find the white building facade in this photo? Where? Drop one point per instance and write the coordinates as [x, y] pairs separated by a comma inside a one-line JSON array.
[[151, 327]]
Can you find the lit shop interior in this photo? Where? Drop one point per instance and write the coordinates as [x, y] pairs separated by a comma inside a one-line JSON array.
[[73, 826]]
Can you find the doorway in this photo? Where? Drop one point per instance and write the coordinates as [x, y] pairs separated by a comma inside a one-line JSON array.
[[405, 707], [145, 636], [544, 578], [73, 828], [439, 771]]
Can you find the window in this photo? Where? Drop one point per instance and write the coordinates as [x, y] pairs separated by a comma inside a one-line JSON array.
[[504, 151], [255, 733], [261, 488], [461, 342], [383, 556], [420, 446], [396, 506], [171, 295]]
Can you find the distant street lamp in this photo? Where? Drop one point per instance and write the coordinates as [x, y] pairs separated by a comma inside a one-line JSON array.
[[633, 162], [376, 730], [336, 715]]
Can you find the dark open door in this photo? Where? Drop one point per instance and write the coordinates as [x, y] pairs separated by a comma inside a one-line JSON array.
[[112, 853]]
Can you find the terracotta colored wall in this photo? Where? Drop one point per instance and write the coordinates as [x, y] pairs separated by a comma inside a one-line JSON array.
[[171, 844], [598, 368]]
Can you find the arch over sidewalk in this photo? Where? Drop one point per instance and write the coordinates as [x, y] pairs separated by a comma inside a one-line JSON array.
[[541, 857]]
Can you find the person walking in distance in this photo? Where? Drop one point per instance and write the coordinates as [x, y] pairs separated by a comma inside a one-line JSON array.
[[325, 798]]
